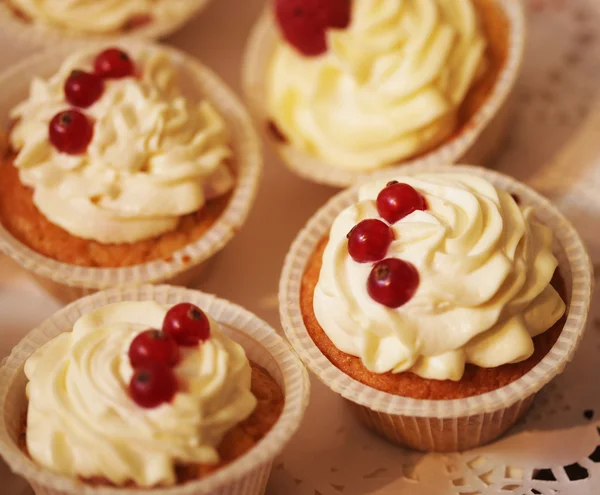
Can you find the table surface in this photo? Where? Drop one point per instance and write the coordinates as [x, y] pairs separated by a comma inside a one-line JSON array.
[[247, 271]]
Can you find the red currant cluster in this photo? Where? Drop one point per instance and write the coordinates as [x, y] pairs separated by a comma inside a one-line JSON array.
[[71, 131], [392, 282], [153, 354], [304, 23]]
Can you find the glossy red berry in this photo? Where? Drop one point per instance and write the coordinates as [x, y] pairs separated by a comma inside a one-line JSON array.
[[71, 132], [393, 282], [114, 63], [152, 385], [83, 89], [369, 240], [398, 200], [153, 346], [187, 324], [304, 22]]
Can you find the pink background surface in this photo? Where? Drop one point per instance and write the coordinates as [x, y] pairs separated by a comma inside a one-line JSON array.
[[331, 454]]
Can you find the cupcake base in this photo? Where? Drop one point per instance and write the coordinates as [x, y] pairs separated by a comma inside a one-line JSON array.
[[429, 424], [482, 120], [442, 435], [67, 281], [425, 433], [475, 381], [246, 475], [25, 222]]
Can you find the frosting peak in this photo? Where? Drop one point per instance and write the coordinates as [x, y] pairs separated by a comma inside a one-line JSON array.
[[154, 155], [485, 266], [82, 423], [389, 87]]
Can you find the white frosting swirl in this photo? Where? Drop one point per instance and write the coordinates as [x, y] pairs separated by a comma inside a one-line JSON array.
[[154, 156], [81, 421], [99, 16], [389, 86], [485, 266]]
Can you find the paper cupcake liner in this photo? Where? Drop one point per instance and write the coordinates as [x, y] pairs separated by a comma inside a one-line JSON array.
[[491, 116], [443, 435], [39, 35], [254, 483], [245, 476], [68, 282], [442, 424]]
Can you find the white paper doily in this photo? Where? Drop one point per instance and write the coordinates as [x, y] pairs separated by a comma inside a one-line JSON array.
[[555, 145]]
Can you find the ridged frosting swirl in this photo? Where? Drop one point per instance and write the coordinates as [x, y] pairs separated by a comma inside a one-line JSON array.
[[485, 266], [154, 156], [99, 16], [81, 422], [389, 86]]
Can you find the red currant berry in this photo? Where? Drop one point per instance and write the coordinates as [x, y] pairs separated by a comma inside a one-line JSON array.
[[187, 324], [398, 200], [393, 282], [369, 240], [71, 132], [113, 64], [152, 385], [83, 89], [153, 346], [304, 23]]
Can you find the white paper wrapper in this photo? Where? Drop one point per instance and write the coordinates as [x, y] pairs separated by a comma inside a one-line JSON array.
[[67, 282], [246, 476], [40, 35], [477, 142], [442, 425]]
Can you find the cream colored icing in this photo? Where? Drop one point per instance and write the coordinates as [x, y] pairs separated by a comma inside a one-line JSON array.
[[81, 421], [485, 266], [100, 16], [154, 155], [389, 86]]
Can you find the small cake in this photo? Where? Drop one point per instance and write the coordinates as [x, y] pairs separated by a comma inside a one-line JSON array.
[[99, 16], [145, 395], [438, 301], [112, 164], [362, 85], [434, 287]]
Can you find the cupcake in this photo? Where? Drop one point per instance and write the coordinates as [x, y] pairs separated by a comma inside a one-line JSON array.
[[37, 22], [127, 164], [347, 88], [437, 302], [143, 389]]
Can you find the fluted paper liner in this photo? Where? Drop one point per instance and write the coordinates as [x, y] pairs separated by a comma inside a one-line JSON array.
[[66, 281], [245, 476], [477, 142], [442, 425], [37, 34]]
